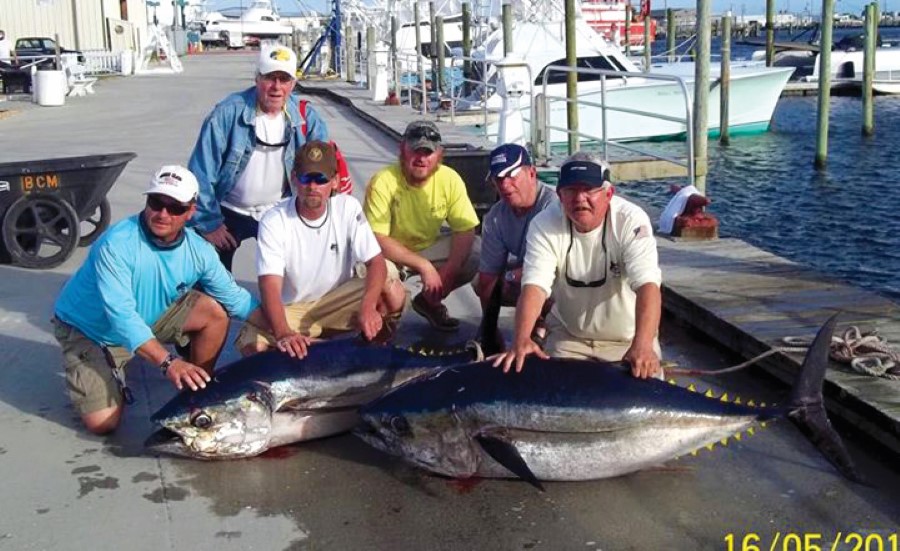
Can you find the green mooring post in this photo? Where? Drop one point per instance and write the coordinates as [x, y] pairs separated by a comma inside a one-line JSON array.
[[670, 34], [701, 94], [824, 85], [770, 32], [572, 80], [868, 125], [725, 84], [507, 16]]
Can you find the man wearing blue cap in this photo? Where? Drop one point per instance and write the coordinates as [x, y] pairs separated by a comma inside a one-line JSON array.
[[596, 254], [504, 227]]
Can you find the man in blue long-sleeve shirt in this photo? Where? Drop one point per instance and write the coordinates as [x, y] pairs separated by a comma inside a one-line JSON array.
[[135, 291]]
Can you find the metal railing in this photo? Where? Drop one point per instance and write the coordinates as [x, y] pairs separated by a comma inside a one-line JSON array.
[[541, 142]]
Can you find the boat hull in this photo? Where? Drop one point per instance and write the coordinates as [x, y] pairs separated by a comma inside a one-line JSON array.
[[754, 94]]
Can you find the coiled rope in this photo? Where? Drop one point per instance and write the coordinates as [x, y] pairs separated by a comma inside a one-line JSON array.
[[866, 353]]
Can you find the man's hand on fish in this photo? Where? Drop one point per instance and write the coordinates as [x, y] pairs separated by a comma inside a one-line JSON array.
[[517, 354], [643, 361], [183, 372], [370, 322], [294, 345]]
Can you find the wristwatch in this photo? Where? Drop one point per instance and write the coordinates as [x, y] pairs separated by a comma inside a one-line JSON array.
[[167, 363]]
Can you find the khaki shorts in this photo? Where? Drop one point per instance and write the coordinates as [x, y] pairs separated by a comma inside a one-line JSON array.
[[562, 344], [440, 252], [334, 313], [89, 366]]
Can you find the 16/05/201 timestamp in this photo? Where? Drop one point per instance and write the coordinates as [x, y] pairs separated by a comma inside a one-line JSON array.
[[813, 541]]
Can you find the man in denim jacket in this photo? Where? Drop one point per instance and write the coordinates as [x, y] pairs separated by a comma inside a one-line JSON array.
[[245, 152]]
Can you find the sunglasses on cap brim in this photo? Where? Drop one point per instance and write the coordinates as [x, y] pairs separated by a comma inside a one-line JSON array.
[[423, 132]]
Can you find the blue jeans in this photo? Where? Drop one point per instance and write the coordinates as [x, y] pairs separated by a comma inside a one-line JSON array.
[[241, 227]]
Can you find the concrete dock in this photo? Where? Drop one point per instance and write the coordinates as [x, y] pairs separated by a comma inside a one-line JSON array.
[[66, 489]]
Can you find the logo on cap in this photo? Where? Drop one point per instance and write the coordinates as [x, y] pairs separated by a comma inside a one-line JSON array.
[[314, 155], [280, 54]]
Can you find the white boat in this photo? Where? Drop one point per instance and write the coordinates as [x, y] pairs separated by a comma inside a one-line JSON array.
[[755, 89], [259, 21]]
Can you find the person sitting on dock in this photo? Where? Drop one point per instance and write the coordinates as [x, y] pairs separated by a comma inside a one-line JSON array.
[[504, 227], [245, 152], [407, 203], [597, 255], [309, 247], [135, 291]]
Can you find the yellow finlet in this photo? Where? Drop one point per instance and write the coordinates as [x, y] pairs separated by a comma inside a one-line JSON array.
[[709, 393], [692, 388], [724, 397], [751, 403], [737, 400]]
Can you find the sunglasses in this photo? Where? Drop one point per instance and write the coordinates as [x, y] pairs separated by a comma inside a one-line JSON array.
[[423, 132], [174, 208], [588, 284], [312, 178], [261, 141], [512, 174]]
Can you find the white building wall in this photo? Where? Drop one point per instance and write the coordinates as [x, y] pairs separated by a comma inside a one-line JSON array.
[[81, 28]]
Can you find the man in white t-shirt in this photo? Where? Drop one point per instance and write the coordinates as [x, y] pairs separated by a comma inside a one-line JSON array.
[[595, 252], [308, 256]]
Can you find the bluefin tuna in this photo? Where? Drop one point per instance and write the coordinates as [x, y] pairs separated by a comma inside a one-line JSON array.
[[574, 419], [270, 399]]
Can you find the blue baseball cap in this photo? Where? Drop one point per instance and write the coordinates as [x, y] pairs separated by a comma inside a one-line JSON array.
[[507, 159], [583, 173]]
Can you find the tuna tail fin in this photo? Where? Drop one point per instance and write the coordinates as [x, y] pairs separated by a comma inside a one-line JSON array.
[[807, 407], [507, 455], [488, 333]]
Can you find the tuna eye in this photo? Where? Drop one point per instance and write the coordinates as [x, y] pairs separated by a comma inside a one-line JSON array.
[[400, 425], [201, 420]]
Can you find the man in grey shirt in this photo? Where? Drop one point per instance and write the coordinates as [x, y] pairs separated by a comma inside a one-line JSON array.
[[504, 227]]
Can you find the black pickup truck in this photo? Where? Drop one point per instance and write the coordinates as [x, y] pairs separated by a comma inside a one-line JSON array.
[[37, 46]]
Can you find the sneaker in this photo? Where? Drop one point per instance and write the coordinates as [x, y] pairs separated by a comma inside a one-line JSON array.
[[437, 315]]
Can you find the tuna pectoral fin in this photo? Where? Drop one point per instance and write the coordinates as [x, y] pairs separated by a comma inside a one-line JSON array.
[[507, 455], [808, 409]]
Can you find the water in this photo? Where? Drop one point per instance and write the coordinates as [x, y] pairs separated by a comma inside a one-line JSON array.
[[843, 222]]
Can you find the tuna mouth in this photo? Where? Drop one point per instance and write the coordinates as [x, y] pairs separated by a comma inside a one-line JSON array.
[[165, 441]]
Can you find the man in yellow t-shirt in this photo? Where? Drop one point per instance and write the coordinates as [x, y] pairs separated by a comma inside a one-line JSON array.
[[407, 204]]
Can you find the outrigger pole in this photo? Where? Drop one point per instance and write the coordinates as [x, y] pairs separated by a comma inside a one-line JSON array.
[[332, 34]]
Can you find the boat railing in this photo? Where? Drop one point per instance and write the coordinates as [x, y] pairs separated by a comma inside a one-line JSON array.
[[478, 90], [412, 64], [541, 131]]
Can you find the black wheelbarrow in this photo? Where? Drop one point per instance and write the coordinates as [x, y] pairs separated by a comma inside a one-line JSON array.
[[50, 206]]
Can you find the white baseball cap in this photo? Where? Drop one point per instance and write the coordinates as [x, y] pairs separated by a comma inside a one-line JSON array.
[[176, 182], [277, 58]]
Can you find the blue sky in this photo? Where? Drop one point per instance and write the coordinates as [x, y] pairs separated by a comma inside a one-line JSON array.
[[749, 7]]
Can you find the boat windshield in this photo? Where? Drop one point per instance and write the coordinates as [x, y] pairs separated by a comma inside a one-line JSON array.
[[589, 62]]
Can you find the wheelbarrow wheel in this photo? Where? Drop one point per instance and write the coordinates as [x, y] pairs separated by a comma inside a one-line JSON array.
[[40, 231], [94, 225]]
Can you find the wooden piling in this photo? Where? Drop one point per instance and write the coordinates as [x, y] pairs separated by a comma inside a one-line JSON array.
[[824, 104], [701, 93], [395, 62], [370, 57], [627, 28], [439, 73], [670, 34], [349, 47], [572, 80], [467, 41], [725, 81], [648, 43], [507, 16], [432, 57], [868, 124], [420, 66], [770, 32]]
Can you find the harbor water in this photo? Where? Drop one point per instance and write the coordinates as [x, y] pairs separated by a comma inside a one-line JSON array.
[[841, 221]]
